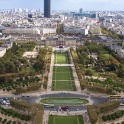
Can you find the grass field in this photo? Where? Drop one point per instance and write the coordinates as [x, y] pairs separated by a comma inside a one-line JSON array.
[[62, 69], [64, 101], [63, 85], [62, 73], [66, 120], [63, 78], [61, 58]]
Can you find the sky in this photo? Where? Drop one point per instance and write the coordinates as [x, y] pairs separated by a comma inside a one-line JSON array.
[[116, 5]]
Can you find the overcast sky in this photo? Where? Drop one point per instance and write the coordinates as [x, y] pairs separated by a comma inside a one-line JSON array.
[[65, 4]]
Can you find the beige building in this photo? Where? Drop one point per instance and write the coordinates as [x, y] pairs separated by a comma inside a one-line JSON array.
[[21, 31], [61, 40]]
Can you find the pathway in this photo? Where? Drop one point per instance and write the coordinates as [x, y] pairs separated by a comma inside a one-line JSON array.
[[49, 86], [71, 65], [77, 83]]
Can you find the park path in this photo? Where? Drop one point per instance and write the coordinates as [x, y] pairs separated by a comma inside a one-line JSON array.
[[71, 65], [49, 86], [77, 83]]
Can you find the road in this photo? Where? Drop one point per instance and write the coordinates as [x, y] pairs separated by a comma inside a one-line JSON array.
[[95, 100], [36, 99]]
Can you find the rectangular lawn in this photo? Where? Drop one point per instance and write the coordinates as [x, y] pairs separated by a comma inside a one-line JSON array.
[[63, 78], [66, 120], [61, 58], [62, 68], [62, 73], [63, 85]]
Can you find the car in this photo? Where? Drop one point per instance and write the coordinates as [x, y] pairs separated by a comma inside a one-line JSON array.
[[23, 96], [121, 104], [54, 109], [4, 102], [64, 108], [7, 103]]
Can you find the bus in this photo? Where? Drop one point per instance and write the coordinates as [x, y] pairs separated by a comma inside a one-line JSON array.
[[48, 105], [115, 96]]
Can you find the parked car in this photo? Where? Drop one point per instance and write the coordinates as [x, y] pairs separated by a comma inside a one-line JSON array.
[[64, 108]]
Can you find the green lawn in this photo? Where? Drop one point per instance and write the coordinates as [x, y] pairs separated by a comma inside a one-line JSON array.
[[66, 120], [63, 85], [61, 58], [63, 78], [62, 68], [62, 73], [94, 72], [64, 101]]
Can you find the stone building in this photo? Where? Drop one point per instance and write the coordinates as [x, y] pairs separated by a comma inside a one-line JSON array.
[[61, 40]]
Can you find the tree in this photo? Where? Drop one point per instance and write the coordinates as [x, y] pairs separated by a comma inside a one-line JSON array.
[[2, 68], [121, 71], [87, 43], [10, 67], [38, 66]]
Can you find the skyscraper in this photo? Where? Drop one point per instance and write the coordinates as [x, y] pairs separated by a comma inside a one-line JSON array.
[[81, 10], [47, 8]]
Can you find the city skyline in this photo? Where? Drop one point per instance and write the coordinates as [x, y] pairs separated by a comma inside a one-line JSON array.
[[99, 5]]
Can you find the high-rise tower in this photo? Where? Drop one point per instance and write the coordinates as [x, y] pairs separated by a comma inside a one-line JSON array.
[[47, 8]]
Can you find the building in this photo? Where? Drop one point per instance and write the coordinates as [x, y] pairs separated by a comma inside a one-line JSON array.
[[47, 8], [7, 45], [2, 51], [75, 30], [21, 31], [80, 10], [61, 40], [48, 30], [89, 15], [29, 15]]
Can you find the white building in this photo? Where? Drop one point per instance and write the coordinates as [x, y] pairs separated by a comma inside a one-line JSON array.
[[2, 51], [75, 30], [120, 52], [48, 30], [7, 45], [21, 31]]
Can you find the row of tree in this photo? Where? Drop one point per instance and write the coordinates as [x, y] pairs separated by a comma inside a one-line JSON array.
[[14, 114], [30, 88], [5, 121], [8, 84], [47, 66], [116, 115], [111, 33], [36, 111], [94, 111]]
